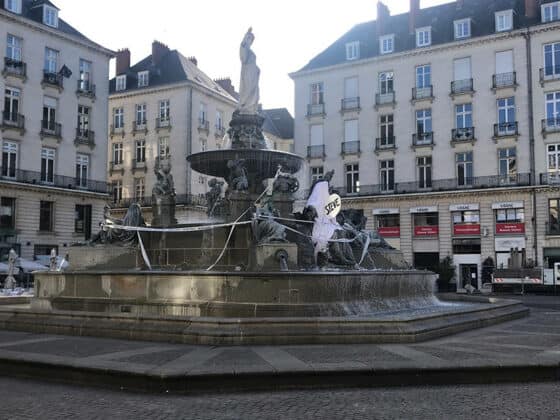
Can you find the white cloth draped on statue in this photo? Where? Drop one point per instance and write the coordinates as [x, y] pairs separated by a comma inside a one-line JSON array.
[[324, 227]]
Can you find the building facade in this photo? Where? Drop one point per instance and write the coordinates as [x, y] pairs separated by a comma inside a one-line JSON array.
[[442, 126], [163, 105], [278, 128], [53, 130]]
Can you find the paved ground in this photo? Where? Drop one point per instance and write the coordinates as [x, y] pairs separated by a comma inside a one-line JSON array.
[[32, 400]]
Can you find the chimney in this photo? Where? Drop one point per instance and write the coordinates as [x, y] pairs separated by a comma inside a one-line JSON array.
[[123, 61], [383, 15], [460, 4], [414, 8], [159, 49], [531, 8], [225, 84], [193, 60]]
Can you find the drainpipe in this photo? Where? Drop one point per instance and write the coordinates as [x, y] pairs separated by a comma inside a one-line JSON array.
[[188, 174], [532, 161]]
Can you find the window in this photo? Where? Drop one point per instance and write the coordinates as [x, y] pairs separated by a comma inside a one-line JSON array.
[[552, 59], [388, 220], [203, 145], [386, 133], [317, 93], [350, 130], [553, 216], [505, 75], [462, 69], [424, 126], [387, 175], [425, 219], [50, 16], [139, 188], [424, 166], [316, 173], [316, 135], [510, 215], [550, 12], [7, 213], [141, 115], [9, 159], [504, 20], [49, 114], [463, 116], [387, 44], [82, 169], [83, 121], [353, 50], [386, 84], [219, 120], [13, 47], [423, 37], [11, 104], [423, 76], [553, 109], [117, 153], [120, 83], [141, 151], [163, 147], [507, 165], [462, 28], [464, 165], [143, 78], [13, 5], [118, 118], [202, 113], [466, 216], [352, 178], [51, 60], [82, 220], [506, 115], [46, 216], [164, 111], [85, 75], [117, 190], [47, 165], [351, 88], [553, 159]]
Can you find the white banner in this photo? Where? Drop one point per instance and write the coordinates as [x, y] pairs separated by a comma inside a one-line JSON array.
[[463, 207], [377, 212], [508, 205], [424, 209]]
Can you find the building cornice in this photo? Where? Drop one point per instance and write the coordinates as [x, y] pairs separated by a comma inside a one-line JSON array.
[[20, 186], [56, 33]]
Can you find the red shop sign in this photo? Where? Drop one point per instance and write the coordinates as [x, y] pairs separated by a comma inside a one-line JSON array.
[[390, 232], [505, 228], [466, 229], [426, 230]]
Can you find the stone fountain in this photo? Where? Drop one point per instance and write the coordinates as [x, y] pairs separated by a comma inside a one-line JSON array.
[[256, 272]]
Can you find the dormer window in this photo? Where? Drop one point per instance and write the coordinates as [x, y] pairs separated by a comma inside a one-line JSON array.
[[353, 50], [504, 20], [387, 44], [550, 12], [121, 83], [13, 6], [424, 37], [50, 16], [143, 78], [462, 28]]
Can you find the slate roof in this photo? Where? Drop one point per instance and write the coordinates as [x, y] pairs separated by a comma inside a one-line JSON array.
[[172, 68], [30, 10], [440, 18], [279, 122]]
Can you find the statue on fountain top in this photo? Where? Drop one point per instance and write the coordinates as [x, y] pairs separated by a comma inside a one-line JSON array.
[[250, 73]]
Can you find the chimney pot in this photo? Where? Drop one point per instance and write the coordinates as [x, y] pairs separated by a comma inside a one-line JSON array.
[[159, 49], [123, 61], [193, 60], [383, 15], [531, 8], [414, 7]]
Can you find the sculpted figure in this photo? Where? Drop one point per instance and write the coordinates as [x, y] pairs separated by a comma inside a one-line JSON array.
[[133, 217], [250, 73], [285, 183], [10, 281], [237, 175], [214, 196], [265, 228], [163, 194]]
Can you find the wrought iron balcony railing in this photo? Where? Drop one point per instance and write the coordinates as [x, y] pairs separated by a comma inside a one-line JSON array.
[[350, 104], [13, 120], [53, 79], [550, 125], [219, 131], [462, 134], [385, 98], [315, 109], [85, 88], [503, 80], [59, 181], [85, 137], [550, 178], [419, 93], [382, 143], [506, 129], [14, 68], [163, 123], [350, 148], [549, 73], [51, 129], [462, 86], [203, 125], [423, 139], [139, 126], [317, 151]]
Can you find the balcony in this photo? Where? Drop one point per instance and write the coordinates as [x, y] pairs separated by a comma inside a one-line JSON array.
[[51, 129], [115, 167], [383, 99], [314, 110], [350, 148], [116, 131], [13, 121], [504, 80], [550, 125], [85, 88], [53, 80], [85, 137], [462, 135], [203, 125], [453, 184], [316, 152], [462, 87], [505, 129], [385, 143], [163, 124], [552, 229], [14, 68], [139, 127], [139, 166], [423, 140], [549, 74], [550, 178], [219, 131], [59, 181], [350, 104], [423, 93]]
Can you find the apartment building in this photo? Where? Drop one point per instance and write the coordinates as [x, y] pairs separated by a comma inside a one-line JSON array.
[[53, 130], [442, 125], [163, 105]]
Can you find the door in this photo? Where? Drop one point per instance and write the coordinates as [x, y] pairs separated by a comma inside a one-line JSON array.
[[469, 275]]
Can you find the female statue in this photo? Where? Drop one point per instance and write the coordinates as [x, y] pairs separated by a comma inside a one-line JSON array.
[[250, 72]]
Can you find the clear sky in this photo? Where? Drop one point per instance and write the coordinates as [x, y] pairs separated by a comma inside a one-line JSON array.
[[288, 32]]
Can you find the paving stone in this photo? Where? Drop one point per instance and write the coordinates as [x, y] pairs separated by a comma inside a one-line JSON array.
[[338, 354], [159, 358]]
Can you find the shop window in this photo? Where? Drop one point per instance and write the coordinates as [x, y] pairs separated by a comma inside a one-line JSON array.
[[553, 217], [425, 224], [466, 246], [7, 213], [389, 225]]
